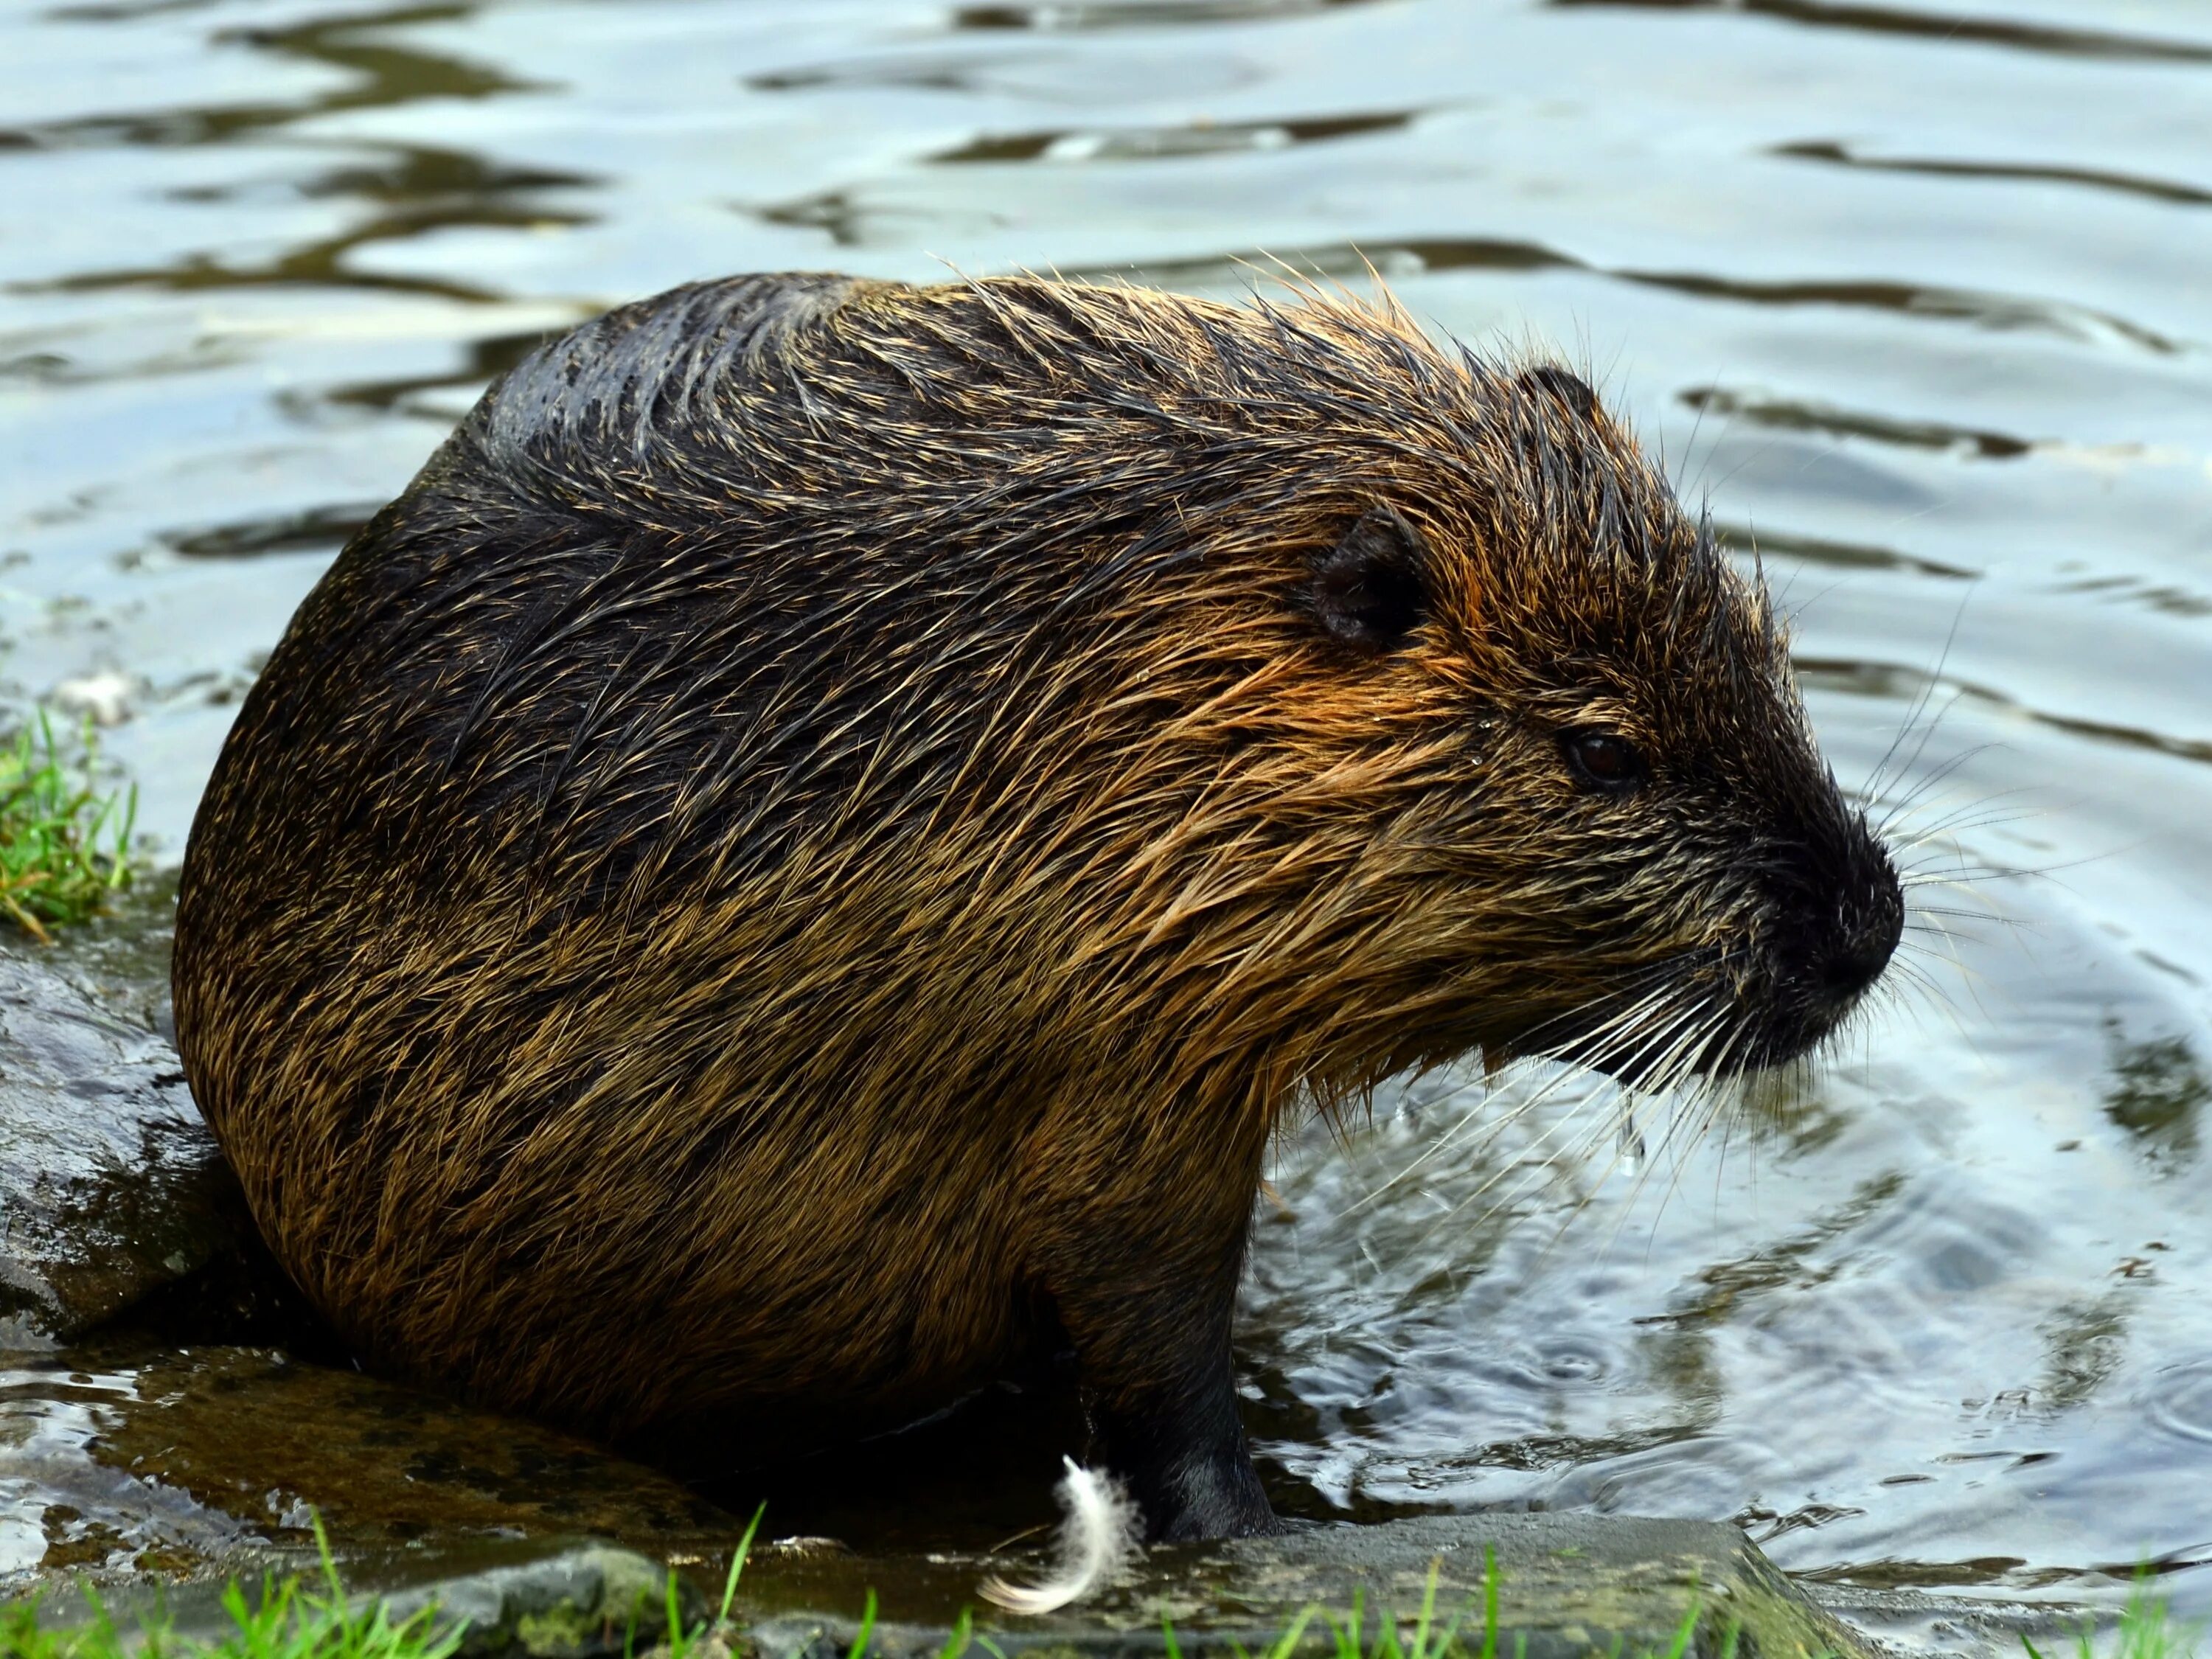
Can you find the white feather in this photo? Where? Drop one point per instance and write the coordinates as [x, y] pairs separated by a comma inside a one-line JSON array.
[[1098, 1533]]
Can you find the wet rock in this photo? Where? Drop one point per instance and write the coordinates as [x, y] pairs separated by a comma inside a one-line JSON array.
[[111, 1190], [127, 1466], [1567, 1586], [585, 1602], [580, 1604]]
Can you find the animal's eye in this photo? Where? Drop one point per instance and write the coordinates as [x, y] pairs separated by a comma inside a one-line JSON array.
[[1603, 761]]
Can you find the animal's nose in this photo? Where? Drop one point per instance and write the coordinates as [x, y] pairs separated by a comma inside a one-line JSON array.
[[1867, 939]]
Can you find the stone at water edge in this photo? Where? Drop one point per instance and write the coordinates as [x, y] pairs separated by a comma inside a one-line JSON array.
[[580, 1604], [1570, 1586], [112, 1188]]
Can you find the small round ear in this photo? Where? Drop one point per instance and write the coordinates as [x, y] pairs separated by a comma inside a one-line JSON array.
[[1369, 590], [1571, 390]]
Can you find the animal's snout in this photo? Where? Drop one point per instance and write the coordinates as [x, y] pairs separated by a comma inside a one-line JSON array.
[[1841, 920], [1869, 927]]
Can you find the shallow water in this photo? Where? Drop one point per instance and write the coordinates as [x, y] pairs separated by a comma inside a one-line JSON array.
[[1917, 293]]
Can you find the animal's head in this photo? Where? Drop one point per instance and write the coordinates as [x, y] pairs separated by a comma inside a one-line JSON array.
[[1598, 821]]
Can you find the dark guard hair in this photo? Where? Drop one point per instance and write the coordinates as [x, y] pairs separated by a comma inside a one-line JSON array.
[[812, 847]]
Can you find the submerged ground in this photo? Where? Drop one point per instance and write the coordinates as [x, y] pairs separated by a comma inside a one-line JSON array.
[[1915, 292]]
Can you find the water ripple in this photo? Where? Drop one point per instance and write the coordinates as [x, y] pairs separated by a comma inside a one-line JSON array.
[[2125, 184], [1791, 414], [2180, 1400], [1943, 27], [1889, 679], [381, 73], [1406, 257], [2000, 312], [1099, 14], [1766, 542], [1168, 142]]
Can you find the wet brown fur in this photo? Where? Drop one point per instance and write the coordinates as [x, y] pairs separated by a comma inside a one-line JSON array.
[[814, 845]]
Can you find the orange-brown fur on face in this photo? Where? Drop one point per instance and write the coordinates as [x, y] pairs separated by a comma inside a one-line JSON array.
[[819, 837]]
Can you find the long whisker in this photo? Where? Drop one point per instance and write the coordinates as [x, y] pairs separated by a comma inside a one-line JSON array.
[[1642, 1174], [1920, 705], [1662, 1033], [1932, 778], [1497, 1123]]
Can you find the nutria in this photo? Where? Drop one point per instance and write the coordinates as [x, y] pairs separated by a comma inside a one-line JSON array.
[[808, 852]]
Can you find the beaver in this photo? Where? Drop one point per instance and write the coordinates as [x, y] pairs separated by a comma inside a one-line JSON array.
[[807, 855]]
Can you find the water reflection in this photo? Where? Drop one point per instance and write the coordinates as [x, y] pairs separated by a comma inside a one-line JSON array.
[[2084, 1346], [414, 193], [378, 73], [317, 527], [2157, 1091]]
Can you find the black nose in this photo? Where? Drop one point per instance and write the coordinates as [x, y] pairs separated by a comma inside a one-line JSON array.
[[1870, 923]]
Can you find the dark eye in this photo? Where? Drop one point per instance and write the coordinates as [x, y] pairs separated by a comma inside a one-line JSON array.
[[1603, 761]]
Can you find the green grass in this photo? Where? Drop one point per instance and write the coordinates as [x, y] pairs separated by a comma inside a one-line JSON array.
[[2146, 1631], [311, 1618], [64, 849], [295, 1619]]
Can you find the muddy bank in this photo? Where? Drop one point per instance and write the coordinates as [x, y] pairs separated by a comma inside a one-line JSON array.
[[134, 1464]]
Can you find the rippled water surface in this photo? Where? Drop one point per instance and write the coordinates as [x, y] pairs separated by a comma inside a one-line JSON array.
[[1918, 296]]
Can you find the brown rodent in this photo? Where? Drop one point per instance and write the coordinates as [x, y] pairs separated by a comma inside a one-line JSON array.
[[809, 851]]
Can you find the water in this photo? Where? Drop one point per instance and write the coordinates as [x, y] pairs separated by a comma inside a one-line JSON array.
[[1917, 295]]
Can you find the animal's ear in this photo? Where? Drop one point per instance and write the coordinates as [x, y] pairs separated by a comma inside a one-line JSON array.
[[1370, 590], [1571, 391]]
